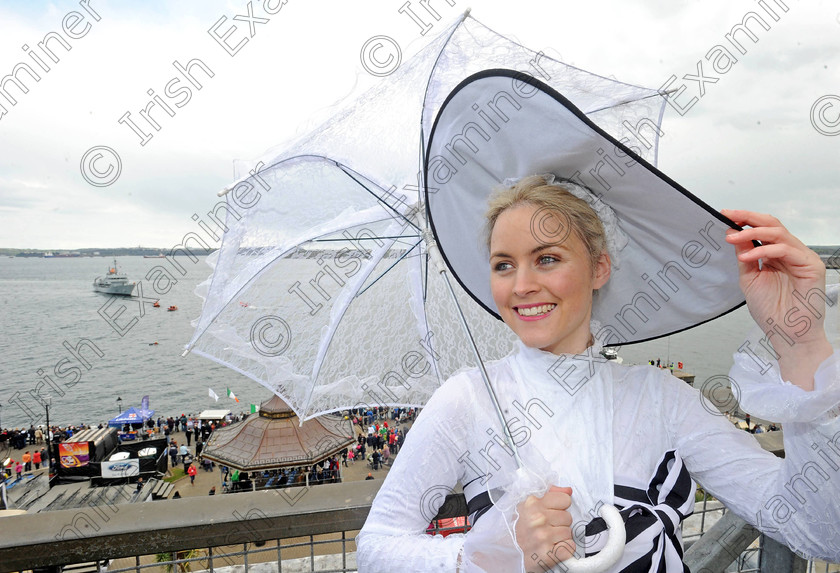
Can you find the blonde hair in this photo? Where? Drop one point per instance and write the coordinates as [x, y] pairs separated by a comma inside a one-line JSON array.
[[559, 204]]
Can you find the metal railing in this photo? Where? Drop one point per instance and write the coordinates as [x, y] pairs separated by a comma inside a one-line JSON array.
[[298, 529], [290, 520]]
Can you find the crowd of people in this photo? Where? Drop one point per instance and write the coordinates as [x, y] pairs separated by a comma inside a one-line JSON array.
[[379, 438], [32, 441], [29, 461], [366, 417], [193, 428], [382, 441], [20, 438]]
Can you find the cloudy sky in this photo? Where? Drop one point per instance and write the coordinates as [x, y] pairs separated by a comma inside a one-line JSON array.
[[764, 136]]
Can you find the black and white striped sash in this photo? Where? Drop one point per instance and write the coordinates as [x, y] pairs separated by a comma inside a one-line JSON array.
[[652, 519], [479, 505]]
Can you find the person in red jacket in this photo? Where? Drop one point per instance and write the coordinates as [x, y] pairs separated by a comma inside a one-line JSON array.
[[191, 471], [36, 459]]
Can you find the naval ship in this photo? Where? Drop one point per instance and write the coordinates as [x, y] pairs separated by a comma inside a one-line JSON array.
[[114, 282]]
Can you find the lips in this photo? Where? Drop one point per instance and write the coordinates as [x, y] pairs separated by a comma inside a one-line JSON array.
[[534, 310]]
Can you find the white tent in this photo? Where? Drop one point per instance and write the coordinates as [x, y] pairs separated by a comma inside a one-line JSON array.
[[214, 414]]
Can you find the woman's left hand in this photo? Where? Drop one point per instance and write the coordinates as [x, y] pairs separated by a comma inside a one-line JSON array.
[[786, 293]]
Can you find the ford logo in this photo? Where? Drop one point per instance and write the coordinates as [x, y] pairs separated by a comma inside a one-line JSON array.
[[120, 467]]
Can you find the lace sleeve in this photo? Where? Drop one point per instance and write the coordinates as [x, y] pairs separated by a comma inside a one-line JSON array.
[[795, 500], [764, 394], [434, 458], [424, 472]]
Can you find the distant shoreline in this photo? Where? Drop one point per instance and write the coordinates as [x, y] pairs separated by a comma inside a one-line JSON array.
[[830, 254], [84, 253]]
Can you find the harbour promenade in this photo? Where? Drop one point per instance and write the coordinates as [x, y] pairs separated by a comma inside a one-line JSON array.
[[184, 496], [304, 529]]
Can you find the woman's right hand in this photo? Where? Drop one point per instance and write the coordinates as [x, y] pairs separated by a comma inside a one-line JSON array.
[[544, 529]]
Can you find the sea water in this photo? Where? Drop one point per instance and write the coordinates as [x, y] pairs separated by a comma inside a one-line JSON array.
[[49, 305]]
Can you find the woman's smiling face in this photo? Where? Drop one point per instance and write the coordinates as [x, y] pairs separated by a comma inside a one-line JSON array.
[[543, 291]]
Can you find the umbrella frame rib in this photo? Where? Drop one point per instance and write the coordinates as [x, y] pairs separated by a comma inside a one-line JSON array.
[[485, 378]]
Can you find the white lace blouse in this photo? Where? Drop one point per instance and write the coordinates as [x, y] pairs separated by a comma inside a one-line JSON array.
[[631, 436]]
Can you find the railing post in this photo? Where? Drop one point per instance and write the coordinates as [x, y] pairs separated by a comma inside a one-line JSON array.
[[344, 550], [720, 545], [279, 558], [312, 552], [777, 558]]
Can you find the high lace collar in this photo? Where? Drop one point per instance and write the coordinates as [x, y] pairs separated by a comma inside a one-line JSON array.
[[548, 358], [567, 371]]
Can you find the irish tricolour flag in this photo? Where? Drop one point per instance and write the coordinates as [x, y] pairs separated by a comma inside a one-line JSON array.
[[232, 395]]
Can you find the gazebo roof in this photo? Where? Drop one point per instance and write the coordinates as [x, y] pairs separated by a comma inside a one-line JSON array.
[[275, 439]]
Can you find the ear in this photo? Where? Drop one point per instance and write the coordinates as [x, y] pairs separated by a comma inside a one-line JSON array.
[[602, 271]]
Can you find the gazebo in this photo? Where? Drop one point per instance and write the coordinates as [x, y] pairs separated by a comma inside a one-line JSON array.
[[131, 416], [275, 440], [135, 419]]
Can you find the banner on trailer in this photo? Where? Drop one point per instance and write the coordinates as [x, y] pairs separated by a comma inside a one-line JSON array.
[[73, 454], [121, 469]]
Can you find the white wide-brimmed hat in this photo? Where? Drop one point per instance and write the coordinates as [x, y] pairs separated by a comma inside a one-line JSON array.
[[676, 270]]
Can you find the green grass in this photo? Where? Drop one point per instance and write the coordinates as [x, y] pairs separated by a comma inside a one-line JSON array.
[[177, 473]]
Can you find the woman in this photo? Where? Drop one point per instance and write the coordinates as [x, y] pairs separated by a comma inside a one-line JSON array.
[[631, 436]]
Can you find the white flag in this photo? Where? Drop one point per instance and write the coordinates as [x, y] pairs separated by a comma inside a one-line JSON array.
[[213, 395]]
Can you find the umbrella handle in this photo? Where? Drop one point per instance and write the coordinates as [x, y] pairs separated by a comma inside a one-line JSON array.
[[611, 552]]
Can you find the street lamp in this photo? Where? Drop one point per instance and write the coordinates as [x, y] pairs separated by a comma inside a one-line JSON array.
[[119, 404], [47, 404]]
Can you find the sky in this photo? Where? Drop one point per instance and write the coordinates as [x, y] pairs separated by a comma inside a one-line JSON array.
[[764, 135]]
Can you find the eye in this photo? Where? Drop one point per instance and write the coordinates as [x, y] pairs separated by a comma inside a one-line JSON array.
[[547, 259], [502, 266]]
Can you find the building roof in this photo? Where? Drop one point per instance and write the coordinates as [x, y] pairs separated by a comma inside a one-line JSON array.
[[276, 439]]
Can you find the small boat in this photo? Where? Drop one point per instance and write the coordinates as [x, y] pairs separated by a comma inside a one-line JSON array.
[[157, 256], [114, 282], [611, 354], [156, 304], [171, 308]]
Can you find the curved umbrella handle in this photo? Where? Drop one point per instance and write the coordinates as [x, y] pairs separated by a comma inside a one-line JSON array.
[[611, 552]]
